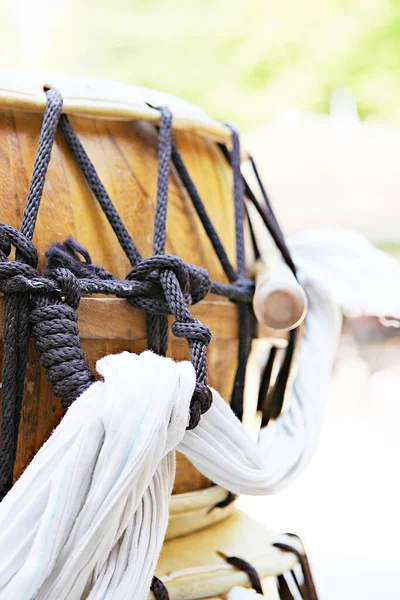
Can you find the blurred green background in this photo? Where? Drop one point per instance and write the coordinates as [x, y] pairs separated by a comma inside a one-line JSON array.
[[242, 61]]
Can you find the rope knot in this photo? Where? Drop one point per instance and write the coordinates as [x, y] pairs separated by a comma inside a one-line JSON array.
[[199, 282], [26, 251], [5, 244], [150, 268], [192, 331], [200, 404], [68, 286]]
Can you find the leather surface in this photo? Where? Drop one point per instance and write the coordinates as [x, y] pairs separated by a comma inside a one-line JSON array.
[[193, 511], [89, 96], [191, 569]]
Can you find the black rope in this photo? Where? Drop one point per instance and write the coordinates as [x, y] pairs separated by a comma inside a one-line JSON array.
[[265, 383], [238, 202], [271, 400], [254, 243], [250, 571], [16, 330], [99, 191], [157, 325], [308, 588], [284, 589], [202, 213], [177, 299], [230, 497], [159, 590], [164, 160], [246, 319], [268, 217]]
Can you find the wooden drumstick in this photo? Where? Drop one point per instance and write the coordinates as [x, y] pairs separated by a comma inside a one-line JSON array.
[[279, 300]]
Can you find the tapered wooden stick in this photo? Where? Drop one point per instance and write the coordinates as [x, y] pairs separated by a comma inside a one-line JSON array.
[[279, 300]]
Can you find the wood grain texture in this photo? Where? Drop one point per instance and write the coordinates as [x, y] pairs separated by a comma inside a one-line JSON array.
[[125, 155]]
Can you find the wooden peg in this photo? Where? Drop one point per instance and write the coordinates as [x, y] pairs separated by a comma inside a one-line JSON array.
[[279, 300]]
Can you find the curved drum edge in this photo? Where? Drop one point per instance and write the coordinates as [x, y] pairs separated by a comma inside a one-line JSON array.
[[192, 570], [99, 98], [193, 511]]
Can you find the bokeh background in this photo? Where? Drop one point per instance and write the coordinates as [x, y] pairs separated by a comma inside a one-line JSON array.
[[242, 61], [315, 87]]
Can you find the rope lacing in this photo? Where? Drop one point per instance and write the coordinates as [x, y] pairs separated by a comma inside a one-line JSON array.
[[45, 305]]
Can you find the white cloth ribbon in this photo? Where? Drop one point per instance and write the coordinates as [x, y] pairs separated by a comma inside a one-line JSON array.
[[88, 517]]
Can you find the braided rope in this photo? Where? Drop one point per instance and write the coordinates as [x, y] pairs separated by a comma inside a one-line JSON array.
[[16, 331], [157, 325]]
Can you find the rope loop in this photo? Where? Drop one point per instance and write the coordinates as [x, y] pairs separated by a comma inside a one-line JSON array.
[[19, 278], [68, 285], [151, 267], [194, 330], [200, 404], [11, 237]]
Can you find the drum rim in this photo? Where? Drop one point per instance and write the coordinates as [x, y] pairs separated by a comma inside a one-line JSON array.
[[93, 97]]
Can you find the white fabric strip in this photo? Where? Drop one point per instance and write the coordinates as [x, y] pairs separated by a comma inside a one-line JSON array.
[[88, 517], [339, 270]]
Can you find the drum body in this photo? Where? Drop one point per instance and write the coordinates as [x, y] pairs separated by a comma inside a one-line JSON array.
[[117, 126], [124, 152]]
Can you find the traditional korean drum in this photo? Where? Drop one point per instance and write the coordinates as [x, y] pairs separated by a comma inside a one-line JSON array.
[[123, 174]]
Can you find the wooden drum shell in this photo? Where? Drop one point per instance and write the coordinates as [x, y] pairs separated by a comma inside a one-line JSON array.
[[125, 155]]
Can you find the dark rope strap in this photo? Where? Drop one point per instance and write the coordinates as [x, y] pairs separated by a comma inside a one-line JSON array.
[[54, 103], [246, 319], [263, 405], [284, 589], [309, 585], [202, 213], [243, 565], [238, 202], [99, 191], [159, 590], [157, 325], [16, 333], [164, 159], [56, 335], [230, 497], [269, 220], [271, 400]]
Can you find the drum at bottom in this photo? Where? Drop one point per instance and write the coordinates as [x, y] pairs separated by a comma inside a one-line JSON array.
[[227, 560]]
